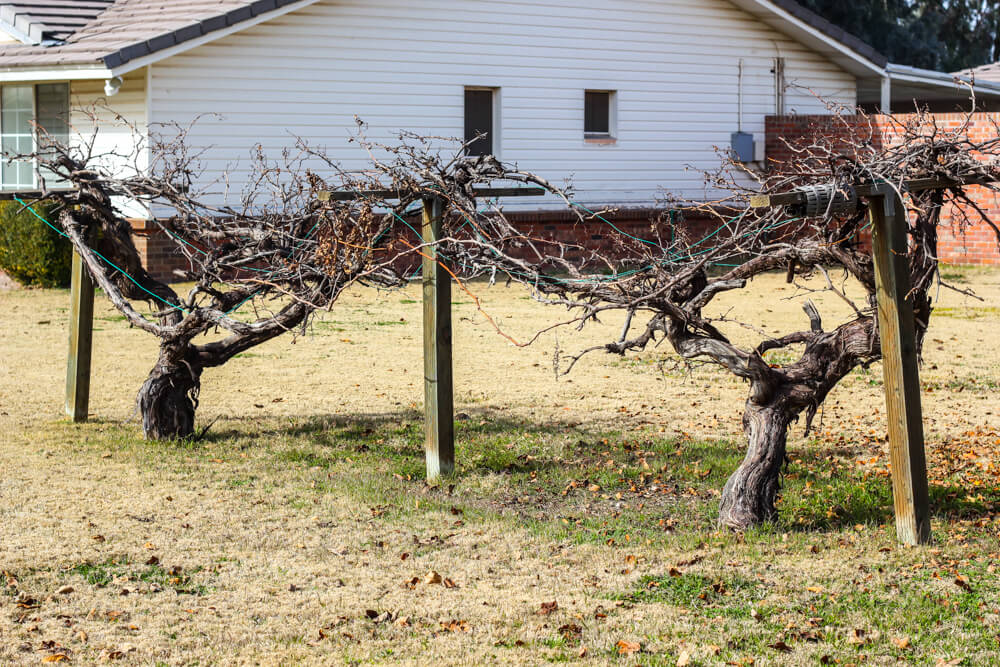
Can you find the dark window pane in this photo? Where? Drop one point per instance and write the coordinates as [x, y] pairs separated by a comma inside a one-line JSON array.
[[597, 113], [53, 109], [52, 105], [479, 119]]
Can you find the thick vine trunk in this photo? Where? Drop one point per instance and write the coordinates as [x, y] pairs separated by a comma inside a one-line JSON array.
[[169, 397], [749, 496]]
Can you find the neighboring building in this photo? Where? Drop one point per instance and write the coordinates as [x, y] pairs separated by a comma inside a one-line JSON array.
[[621, 95], [986, 73]]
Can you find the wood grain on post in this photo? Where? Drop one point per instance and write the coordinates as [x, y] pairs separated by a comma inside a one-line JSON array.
[[81, 328], [899, 364], [439, 420]]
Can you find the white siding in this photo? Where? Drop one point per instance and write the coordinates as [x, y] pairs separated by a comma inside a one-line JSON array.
[[399, 64], [115, 126]]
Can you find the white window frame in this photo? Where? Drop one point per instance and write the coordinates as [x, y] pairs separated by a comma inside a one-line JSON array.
[[33, 133], [34, 140]]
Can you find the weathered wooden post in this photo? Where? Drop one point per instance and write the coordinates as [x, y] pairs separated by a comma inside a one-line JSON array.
[[899, 367], [897, 332], [439, 419], [81, 327], [439, 399]]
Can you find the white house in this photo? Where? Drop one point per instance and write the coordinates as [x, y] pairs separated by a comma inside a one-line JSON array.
[[621, 95]]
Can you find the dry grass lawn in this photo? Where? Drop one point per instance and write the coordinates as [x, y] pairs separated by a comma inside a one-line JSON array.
[[579, 527]]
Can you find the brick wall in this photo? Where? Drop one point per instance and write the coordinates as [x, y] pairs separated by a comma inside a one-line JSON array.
[[958, 243], [161, 258], [158, 252], [975, 244]]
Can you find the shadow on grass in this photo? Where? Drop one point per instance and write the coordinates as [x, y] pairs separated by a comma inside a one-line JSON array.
[[821, 495], [565, 468]]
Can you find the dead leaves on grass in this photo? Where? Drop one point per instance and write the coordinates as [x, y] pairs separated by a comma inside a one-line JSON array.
[[627, 648], [433, 578], [548, 608]]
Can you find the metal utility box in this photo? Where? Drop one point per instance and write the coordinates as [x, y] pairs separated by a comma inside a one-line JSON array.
[[743, 146]]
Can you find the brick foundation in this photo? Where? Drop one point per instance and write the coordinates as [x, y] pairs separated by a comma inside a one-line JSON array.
[[957, 244], [158, 252], [973, 244]]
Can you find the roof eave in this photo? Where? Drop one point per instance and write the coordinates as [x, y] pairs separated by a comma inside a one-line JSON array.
[[75, 72], [941, 80], [142, 54], [808, 28]]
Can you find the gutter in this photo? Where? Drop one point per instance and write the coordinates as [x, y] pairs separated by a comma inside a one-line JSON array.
[[930, 77], [64, 73]]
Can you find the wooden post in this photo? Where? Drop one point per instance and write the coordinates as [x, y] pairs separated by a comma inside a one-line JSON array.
[[81, 328], [899, 364], [439, 419]]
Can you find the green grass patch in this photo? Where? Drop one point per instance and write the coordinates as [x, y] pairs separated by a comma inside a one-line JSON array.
[[155, 577]]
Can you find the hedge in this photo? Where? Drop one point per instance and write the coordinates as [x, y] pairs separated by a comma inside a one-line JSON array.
[[31, 252]]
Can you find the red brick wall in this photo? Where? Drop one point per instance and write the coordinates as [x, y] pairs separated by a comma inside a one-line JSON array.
[[160, 256], [158, 252], [958, 243]]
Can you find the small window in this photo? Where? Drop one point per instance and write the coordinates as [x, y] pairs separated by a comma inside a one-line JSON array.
[[598, 114], [479, 121]]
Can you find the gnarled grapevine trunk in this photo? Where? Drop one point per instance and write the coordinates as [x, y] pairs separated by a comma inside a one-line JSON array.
[[749, 496], [169, 397]]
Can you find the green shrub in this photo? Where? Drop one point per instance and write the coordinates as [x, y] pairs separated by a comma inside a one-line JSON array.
[[31, 252]]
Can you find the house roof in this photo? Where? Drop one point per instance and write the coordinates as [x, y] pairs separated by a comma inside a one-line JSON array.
[[37, 21], [108, 34]]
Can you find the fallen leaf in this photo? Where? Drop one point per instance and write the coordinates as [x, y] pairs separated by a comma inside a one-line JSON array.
[[548, 608], [857, 637], [98, 538], [456, 626], [571, 632], [963, 583], [901, 643], [56, 657], [684, 659], [628, 648], [65, 590], [781, 646], [433, 577]]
